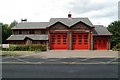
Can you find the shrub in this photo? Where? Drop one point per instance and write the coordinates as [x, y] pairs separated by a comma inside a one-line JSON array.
[[116, 48], [38, 47], [12, 47], [29, 47]]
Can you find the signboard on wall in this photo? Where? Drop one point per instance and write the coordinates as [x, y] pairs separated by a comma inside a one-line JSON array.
[[5, 45]]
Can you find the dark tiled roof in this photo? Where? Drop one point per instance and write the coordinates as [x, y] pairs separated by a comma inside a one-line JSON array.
[[100, 30], [70, 21], [33, 37], [31, 25], [37, 25]]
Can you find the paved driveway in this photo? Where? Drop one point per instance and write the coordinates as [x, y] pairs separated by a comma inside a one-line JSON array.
[[76, 54], [66, 56]]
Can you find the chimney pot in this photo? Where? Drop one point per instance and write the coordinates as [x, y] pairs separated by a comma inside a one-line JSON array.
[[23, 20], [69, 15]]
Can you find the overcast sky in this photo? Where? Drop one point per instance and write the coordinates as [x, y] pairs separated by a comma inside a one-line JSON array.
[[98, 11]]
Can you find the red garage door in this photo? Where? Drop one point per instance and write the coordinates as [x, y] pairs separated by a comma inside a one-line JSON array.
[[80, 41], [100, 44], [58, 41]]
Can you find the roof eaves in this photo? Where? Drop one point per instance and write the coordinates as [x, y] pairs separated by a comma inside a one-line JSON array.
[[101, 35], [26, 28]]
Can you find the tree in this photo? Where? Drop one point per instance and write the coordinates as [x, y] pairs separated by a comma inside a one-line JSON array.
[[114, 28], [5, 33], [13, 24], [6, 30], [1, 33]]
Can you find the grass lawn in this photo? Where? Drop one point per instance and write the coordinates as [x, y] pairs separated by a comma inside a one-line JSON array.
[[15, 53]]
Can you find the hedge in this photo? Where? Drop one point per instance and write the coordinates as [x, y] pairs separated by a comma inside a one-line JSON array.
[[116, 48], [29, 47]]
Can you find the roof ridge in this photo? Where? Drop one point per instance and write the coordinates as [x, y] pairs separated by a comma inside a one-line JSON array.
[[33, 22], [71, 18]]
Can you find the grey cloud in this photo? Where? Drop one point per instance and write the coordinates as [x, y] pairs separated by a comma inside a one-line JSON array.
[[83, 7], [105, 9], [109, 13], [97, 12]]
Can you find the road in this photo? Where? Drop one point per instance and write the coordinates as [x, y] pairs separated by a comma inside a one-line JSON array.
[[60, 71], [58, 60], [27, 67]]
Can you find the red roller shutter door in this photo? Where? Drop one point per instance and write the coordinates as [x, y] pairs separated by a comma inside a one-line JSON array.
[[58, 41], [100, 44], [80, 41]]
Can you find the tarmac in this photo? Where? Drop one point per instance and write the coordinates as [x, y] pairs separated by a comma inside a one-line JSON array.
[[62, 64]]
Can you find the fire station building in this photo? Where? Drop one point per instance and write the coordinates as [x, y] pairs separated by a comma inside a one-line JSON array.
[[62, 34]]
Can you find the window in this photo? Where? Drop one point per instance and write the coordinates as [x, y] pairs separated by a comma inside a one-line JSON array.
[[34, 42], [74, 36], [104, 42], [20, 32], [31, 32], [74, 39], [43, 31], [95, 42], [15, 32], [79, 36], [85, 39], [79, 39], [64, 39], [14, 42], [53, 39], [58, 39], [99, 41]]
